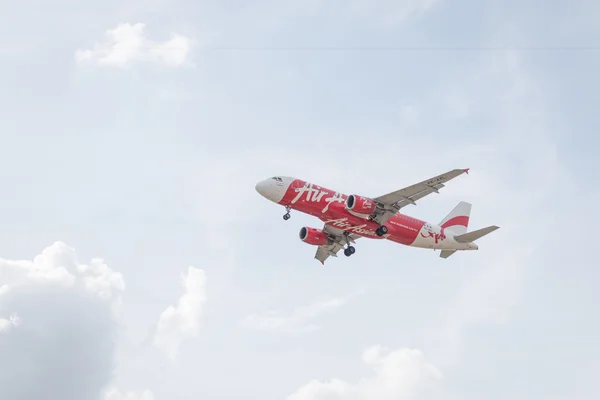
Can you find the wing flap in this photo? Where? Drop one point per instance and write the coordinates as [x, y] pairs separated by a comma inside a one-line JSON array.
[[419, 190], [339, 241]]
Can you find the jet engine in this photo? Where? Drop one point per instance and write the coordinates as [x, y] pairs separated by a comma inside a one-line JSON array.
[[360, 206], [313, 236]]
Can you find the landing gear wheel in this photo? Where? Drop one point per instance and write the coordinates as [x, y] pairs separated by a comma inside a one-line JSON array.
[[286, 216], [382, 230], [349, 251]]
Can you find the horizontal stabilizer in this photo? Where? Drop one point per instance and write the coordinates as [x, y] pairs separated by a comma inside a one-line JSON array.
[[447, 253], [473, 236]]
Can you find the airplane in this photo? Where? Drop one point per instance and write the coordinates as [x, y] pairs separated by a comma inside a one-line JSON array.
[[347, 218]]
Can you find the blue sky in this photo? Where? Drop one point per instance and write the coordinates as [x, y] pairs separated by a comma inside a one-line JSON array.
[[143, 149]]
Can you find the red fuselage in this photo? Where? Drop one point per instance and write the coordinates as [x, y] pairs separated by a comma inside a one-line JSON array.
[[329, 206]]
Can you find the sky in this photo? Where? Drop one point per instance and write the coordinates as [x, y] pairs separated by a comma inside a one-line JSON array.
[[137, 261]]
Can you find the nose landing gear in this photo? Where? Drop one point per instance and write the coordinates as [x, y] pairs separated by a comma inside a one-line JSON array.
[[287, 215]]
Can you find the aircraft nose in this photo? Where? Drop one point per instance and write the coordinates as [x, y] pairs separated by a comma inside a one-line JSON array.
[[273, 189], [262, 188]]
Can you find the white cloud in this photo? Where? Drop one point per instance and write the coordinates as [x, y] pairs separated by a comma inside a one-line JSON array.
[[58, 342], [183, 321], [128, 44], [6, 324], [399, 374], [116, 394], [298, 321], [58, 265]]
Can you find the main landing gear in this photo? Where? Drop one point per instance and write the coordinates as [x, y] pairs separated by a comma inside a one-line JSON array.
[[287, 215], [382, 230], [348, 251]]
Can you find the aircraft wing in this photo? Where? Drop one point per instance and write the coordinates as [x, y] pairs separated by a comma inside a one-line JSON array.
[[389, 204], [339, 241]]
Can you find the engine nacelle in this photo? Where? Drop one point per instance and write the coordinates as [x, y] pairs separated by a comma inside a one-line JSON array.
[[360, 206], [313, 236]]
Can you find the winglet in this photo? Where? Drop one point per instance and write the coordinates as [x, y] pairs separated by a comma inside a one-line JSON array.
[[466, 170]]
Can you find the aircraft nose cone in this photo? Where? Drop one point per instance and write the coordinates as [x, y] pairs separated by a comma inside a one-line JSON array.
[[262, 188], [272, 189]]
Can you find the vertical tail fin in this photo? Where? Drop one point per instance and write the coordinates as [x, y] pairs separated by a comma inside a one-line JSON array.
[[458, 219]]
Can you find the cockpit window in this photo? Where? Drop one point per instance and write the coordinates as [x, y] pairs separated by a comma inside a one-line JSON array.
[[278, 179]]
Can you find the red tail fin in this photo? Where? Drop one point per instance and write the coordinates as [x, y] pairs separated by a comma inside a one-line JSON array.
[[458, 219]]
